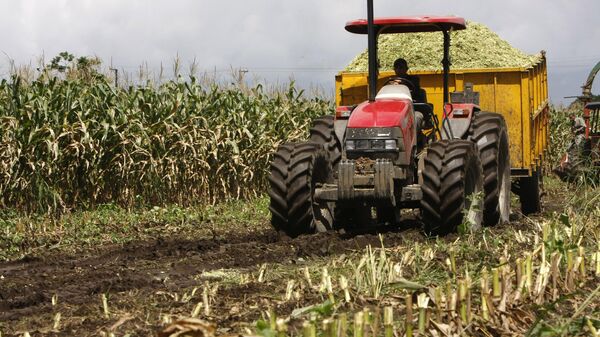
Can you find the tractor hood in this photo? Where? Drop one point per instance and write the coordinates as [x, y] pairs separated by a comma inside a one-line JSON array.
[[382, 113]]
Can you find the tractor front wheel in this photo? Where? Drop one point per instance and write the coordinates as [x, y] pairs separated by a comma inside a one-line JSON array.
[[278, 186], [309, 168]]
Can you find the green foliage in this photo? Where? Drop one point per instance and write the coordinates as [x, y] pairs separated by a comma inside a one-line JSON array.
[[111, 224], [60, 62], [79, 142], [324, 309], [264, 329], [560, 131], [564, 218], [564, 327], [82, 68], [475, 202]]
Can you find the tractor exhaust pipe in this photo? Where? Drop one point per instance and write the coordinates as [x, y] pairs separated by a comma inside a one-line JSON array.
[[372, 48]]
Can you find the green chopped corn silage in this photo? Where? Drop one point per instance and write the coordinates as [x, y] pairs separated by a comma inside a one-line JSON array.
[[473, 48]]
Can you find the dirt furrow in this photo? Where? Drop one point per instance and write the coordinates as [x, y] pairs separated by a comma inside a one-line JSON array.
[[28, 285]]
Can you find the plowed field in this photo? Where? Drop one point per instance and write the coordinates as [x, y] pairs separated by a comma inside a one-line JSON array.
[[242, 271]]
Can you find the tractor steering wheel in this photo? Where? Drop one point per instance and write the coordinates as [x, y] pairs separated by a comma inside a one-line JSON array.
[[401, 80]]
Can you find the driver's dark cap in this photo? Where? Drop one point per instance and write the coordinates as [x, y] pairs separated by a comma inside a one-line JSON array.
[[400, 63]]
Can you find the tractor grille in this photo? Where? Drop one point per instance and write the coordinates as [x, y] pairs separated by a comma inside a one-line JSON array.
[[373, 143]]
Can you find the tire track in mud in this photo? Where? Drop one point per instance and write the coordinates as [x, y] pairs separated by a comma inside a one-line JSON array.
[[28, 284]]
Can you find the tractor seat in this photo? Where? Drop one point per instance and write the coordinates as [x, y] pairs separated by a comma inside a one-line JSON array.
[[426, 109], [394, 91]]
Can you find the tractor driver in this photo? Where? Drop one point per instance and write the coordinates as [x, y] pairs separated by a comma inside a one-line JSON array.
[[401, 70], [423, 118]]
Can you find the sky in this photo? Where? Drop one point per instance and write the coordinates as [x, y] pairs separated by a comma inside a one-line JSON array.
[[276, 40]]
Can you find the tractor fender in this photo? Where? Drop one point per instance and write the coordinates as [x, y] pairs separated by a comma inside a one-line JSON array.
[[455, 128], [458, 120]]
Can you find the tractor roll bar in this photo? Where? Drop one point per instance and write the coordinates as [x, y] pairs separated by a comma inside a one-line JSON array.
[[372, 48], [446, 65], [400, 25]]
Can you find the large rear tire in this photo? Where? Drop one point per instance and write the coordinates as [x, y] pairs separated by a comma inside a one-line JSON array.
[[488, 131], [322, 132], [278, 188], [452, 184], [309, 168]]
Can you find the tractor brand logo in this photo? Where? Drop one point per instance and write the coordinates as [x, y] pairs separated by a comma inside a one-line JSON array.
[[369, 132]]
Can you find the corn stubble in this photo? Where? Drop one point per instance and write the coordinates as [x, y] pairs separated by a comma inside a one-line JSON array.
[[554, 265], [72, 143], [469, 306]]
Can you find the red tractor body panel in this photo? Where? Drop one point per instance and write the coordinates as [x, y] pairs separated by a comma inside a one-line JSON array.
[[386, 113], [381, 114], [408, 24]]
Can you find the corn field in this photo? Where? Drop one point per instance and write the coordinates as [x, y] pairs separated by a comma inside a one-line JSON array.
[[69, 143]]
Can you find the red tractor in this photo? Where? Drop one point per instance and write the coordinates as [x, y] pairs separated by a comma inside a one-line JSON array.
[[370, 161]]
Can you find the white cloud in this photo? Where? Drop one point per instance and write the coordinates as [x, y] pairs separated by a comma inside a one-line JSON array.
[[273, 37]]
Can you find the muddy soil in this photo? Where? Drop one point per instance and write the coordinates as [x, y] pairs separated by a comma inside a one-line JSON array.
[[137, 275], [146, 280]]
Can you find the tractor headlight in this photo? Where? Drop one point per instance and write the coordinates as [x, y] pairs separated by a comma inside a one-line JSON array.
[[390, 144], [371, 141], [371, 144], [350, 145]]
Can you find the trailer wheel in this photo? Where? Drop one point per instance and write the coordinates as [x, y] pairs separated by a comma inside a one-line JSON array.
[[309, 168], [530, 193], [488, 131], [452, 187], [322, 132], [278, 189]]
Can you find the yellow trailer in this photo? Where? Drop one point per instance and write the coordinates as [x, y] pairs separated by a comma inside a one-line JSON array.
[[519, 94]]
